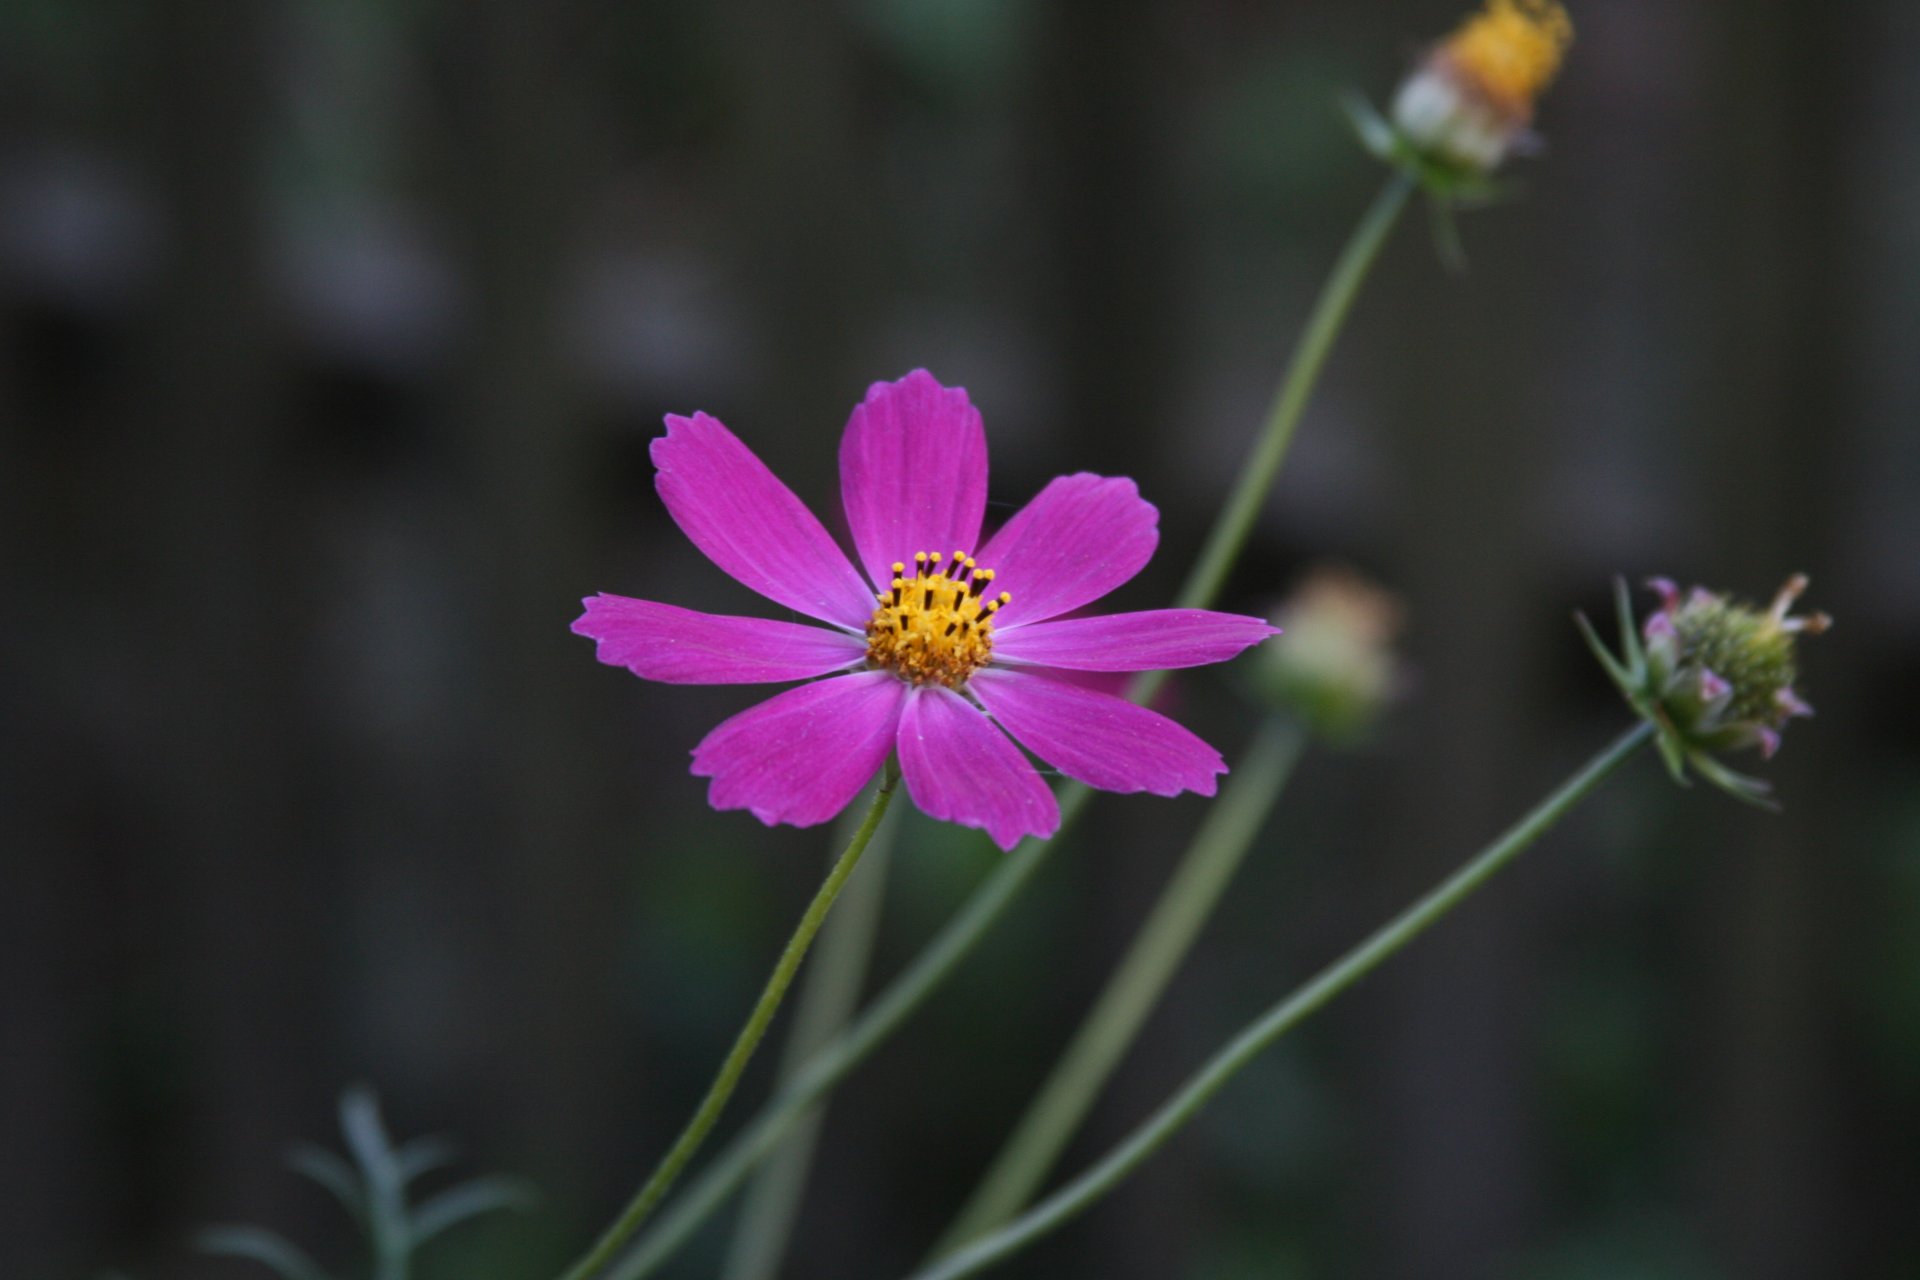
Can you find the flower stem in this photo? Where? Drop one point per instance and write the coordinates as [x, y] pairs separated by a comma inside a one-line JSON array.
[[826, 1068], [827, 998], [1283, 1017], [959, 936], [1131, 993], [662, 1178], [1330, 310]]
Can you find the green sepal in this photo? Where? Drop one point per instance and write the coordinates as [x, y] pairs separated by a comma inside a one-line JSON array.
[[1615, 671], [1740, 786], [1444, 180], [1671, 751]]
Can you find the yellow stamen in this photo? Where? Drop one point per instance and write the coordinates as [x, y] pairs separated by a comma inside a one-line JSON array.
[[933, 629]]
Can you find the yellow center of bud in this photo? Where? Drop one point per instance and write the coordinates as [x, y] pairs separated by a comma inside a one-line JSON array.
[[1510, 51], [935, 624]]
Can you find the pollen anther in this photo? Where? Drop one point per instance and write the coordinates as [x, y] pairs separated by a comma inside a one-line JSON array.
[[941, 631]]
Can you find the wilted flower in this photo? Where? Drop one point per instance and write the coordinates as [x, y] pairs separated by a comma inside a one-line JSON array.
[[1711, 674], [933, 652], [1337, 669], [1470, 102]]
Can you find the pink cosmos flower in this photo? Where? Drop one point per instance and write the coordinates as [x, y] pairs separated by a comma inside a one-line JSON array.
[[941, 649]]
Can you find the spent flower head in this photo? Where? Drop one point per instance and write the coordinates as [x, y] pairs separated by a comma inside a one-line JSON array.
[[945, 646], [1470, 101], [1338, 669], [1711, 674]]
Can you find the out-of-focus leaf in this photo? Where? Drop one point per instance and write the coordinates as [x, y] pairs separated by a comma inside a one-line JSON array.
[[367, 1138], [331, 1172], [423, 1155], [268, 1248], [468, 1200]]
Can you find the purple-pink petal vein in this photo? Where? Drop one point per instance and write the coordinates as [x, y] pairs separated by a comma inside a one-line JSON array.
[[801, 756], [681, 646], [960, 768], [1101, 740], [1154, 640], [913, 473], [1080, 537], [750, 524]]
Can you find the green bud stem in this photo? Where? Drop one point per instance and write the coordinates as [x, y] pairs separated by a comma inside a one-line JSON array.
[[615, 1237], [826, 1000], [1282, 1018], [1136, 985]]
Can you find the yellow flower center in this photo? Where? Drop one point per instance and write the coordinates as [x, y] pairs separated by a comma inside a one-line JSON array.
[[936, 626], [1510, 51]]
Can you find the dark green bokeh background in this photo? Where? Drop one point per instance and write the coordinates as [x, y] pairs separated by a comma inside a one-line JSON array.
[[334, 333]]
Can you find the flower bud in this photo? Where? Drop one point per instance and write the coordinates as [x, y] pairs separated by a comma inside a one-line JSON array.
[[1337, 669], [1712, 674], [1470, 101]]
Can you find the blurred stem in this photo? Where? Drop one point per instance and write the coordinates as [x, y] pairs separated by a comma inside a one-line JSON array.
[[826, 1001], [1135, 987], [1330, 310], [984, 908], [744, 1044], [826, 1068], [1283, 1017]]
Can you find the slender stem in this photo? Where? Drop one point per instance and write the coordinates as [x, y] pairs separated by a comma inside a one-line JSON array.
[[828, 1067], [997, 892], [1136, 985], [656, 1185], [1330, 310], [826, 1000], [1283, 1017]]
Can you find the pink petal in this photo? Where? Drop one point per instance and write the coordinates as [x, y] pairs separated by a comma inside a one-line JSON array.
[[959, 768], [801, 756], [1155, 640], [679, 646], [1080, 537], [913, 473], [1103, 741], [751, 525]]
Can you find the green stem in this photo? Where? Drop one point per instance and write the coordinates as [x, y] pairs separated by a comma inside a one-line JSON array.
[[998, 891], [828, 1067], [1330, 310], [1283, 1017], [826, 1000], [1136, 985], [656, 1185]]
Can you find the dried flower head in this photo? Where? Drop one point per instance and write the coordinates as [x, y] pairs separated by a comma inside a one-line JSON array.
[[1337, 670], [1712, 674]]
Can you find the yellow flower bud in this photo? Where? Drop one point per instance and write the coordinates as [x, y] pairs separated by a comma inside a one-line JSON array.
[[1471, 100]]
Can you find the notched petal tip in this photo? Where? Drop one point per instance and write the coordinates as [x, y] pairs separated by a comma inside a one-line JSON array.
[[960, 768], [801, 756], [1097, 738], [913, 472], [1150, 640], [1081, 537], [745, 519]]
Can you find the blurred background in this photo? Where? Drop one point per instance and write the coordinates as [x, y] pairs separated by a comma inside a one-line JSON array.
[[334, 334]]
